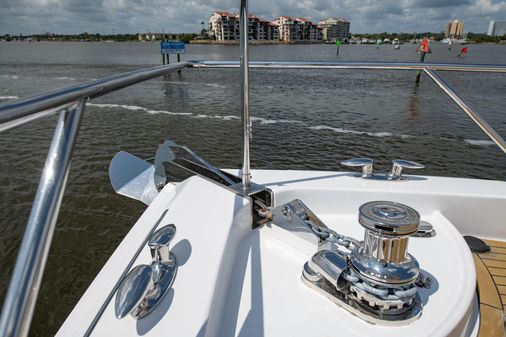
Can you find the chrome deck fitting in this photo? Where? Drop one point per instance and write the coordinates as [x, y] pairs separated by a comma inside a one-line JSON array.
[[144, 287], [375, 279]]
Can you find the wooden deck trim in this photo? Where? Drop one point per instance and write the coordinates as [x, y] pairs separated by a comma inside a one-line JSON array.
[[494, 243], [491, 278], [487, 289], [499, 280], [493, 263], [491, 322]]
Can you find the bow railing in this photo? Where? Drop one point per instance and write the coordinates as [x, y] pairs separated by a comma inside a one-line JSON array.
[[69, 103]]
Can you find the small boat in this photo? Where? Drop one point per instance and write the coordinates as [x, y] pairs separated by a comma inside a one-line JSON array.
[[247, 252]]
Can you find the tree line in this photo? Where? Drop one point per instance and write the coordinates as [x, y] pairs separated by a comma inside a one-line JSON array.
[[88, 37]]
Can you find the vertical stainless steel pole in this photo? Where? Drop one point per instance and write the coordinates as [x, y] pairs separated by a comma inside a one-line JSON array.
[[245, 120], [24, 286]]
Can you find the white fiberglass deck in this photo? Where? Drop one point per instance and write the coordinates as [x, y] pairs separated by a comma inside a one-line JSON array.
[[234, 281]]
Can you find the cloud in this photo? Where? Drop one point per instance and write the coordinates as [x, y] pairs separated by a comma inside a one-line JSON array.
[[487, 7], [131, 16], [438, 3]]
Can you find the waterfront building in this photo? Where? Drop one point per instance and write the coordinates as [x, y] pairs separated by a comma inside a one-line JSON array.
[[268, 30], [497, 28], [224, 26], [455, 29], [297, 29], [150, 36], [158, 36], [335, 29]]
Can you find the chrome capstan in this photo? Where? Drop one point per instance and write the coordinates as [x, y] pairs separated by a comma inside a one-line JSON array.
[[375, 279]]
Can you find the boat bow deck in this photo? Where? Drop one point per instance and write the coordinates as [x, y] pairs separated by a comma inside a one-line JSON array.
[[491, 276]]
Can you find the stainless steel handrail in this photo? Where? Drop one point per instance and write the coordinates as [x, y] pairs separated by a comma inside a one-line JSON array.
[[475, 116], [428, 68], [21, 296], [23, 289], [499, 68], [11, 113], [24, 285]]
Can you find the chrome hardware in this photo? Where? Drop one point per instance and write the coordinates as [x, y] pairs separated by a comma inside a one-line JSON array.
[[383, 257], [145, 286], [329, 265], [398, 165], [365, 163], [375, 279], [132, 290], [170, 155], [245, 116], [133, 177], [425, 230], [159, 244], [424, 281], [297, 218]]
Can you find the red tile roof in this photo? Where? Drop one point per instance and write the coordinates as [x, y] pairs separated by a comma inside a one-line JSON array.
[[303, 20], [222, 13]]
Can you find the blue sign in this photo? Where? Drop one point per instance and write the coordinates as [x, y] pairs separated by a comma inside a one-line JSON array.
[[172, 47]]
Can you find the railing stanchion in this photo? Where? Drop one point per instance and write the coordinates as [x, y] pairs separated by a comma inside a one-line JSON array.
[[24, 286], [245, 118]]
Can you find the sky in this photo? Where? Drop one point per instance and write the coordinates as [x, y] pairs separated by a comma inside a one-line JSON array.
[[176, 16]]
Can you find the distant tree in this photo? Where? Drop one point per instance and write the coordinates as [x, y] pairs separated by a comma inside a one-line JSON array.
[[186, 38]]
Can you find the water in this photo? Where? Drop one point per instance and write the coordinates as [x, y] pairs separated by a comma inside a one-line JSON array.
[[302, 120]]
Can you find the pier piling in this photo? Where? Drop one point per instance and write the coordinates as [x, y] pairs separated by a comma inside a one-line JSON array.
[[422, 58]]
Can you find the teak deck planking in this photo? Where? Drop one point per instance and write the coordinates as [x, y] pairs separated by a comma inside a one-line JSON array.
[[491, 277]]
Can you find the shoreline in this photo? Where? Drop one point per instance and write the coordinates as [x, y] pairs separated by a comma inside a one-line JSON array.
[[253, 42], [231, 43]]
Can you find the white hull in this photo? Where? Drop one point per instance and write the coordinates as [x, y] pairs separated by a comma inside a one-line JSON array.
[[235, 281]]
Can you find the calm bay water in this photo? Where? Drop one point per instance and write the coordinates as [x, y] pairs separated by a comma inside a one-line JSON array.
[[303, 119]]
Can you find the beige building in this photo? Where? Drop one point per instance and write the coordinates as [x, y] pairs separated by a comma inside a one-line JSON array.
[[335, 29], [297, 29], [224, 26], [455, 29]]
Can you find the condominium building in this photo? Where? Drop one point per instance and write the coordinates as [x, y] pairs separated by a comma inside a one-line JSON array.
[[455, 29], [497, 28], [268, 30], [335, 29], [224, 26], [297, 29]]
